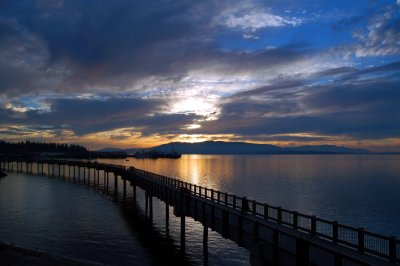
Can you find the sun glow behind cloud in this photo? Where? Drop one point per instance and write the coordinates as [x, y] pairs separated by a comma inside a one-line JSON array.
[[286, 73], [205, 107]]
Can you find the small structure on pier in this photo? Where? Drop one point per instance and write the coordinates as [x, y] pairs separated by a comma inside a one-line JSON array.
[[153, 154]]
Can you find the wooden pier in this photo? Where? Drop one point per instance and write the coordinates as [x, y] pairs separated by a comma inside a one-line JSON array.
[[273, 235]]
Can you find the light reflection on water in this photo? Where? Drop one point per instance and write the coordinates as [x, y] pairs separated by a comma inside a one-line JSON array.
[[359, 190]]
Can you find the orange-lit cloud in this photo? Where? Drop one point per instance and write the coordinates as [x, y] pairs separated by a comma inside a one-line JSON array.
[[288, 75]]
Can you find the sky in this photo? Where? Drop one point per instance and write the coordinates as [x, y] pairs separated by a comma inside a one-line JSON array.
[[125, 73]]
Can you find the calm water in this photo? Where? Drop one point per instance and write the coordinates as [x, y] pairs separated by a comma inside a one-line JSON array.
[[51, 215], [359, 190]]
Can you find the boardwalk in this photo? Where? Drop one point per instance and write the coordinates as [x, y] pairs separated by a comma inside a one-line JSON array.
[[274, 236]]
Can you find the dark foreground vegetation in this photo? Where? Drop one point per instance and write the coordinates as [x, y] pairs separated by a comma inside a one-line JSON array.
[[30, 149]]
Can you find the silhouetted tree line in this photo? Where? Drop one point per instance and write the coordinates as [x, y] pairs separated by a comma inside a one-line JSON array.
[[27, 147], [53, 150]]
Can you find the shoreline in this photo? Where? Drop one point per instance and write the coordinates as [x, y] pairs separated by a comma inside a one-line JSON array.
[[11, 254]]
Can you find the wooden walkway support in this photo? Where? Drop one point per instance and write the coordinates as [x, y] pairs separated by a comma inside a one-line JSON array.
[[273, 235]]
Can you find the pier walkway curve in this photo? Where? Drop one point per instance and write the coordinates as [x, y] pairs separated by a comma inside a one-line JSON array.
[[273, 235]]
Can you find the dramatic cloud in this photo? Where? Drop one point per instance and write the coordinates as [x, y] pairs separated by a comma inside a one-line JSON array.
[[382, 35], [147, 72], [259, 20], [366, 108]]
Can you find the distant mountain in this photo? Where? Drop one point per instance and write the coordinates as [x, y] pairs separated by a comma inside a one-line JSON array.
[[111, 150], [220, 147], [326, 149]]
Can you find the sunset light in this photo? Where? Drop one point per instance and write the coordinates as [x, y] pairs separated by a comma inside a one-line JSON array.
[[199, 132], [297, 73]]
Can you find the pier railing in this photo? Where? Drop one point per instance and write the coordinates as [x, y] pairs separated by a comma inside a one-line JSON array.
[[358, 239], [352, 238]]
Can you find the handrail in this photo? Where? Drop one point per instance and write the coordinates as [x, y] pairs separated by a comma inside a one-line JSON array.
[[387, 247]]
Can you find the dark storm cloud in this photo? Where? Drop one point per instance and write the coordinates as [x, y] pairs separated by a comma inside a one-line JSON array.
[[96, 41], [80, 45], [84, 116]]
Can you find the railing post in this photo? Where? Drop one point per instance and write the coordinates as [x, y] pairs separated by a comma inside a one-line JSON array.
[[116, 184], [146, 203], [234, 201], [205, 243], [151, 206], [183, 214], [245, 205], [124, 192], [107, 181], [134, 195], [254, 207], [295, 220], [203, 213], [167, 219], [98, 179], [279, 215], [266, 211], [393, 249], [313, 224], [104, 181], [335, 232], [361, 246]]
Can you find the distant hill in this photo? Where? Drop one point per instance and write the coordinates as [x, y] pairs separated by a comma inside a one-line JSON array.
[[327, 149], [221, 147], [111, 150]]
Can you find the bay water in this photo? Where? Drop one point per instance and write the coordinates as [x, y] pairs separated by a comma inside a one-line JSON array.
[[66, 218]]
